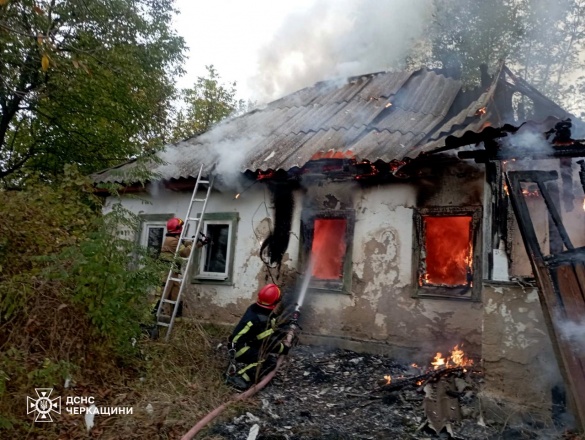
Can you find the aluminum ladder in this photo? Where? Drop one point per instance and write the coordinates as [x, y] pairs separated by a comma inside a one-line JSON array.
[[180, 274]]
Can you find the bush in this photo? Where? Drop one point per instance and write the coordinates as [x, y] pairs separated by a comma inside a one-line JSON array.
[[73, 289]]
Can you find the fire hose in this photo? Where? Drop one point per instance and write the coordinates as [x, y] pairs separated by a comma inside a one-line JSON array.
[[288, 341]]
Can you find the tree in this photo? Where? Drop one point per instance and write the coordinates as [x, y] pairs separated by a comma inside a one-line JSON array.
[[208, 102], [465, 34], [84, 82], [540, 39]]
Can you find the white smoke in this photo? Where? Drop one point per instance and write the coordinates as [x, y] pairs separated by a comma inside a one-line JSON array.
[[339, 38], [574, 333]]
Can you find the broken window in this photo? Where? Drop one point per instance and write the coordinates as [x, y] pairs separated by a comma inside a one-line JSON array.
[[326, 239], [446, 253], [215, 258]]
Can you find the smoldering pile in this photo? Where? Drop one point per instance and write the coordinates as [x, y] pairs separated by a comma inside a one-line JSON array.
[[339, 394]]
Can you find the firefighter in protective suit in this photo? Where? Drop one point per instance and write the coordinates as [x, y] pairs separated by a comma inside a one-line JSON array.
[[256, 339], [167, 253]]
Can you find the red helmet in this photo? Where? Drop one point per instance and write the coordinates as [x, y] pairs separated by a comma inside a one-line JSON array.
[[175, 225], [268, 296]]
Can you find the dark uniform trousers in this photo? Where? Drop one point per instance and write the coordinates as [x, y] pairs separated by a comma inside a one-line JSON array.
[[255, 338]]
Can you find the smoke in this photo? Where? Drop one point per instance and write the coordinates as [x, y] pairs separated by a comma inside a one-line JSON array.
[[337, 39], [226, 146], [528, 141], [574, 333]]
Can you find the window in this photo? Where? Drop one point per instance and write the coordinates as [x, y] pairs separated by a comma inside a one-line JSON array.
[[326, 237], [447, 252], [215, 259], [152, 232]]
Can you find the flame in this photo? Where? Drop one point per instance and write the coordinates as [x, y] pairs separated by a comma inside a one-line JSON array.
[[457, 358], [328, 248], [332, 154], [438, 361], [237, 196], [528, 193], [481, 111], [388, 105], [265, 175], [506, 190], [583, 204], [388, 379], [447, 268]]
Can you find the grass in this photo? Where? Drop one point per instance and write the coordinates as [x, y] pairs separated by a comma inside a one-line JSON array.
[[170, 388]]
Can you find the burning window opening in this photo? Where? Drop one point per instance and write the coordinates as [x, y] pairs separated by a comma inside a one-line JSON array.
[[328, 248], [448, 250], [326, 237]]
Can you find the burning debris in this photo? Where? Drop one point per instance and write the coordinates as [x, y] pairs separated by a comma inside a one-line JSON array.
[[338, 394]]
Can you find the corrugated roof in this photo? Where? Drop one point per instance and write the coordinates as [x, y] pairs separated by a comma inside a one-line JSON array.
[[382, 116]]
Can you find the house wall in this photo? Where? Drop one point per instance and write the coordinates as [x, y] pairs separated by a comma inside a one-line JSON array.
[[379, 312], [518, 359]]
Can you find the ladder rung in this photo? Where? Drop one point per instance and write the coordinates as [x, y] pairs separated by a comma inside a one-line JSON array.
[[193, 219], [164, 324], [204, 182], [199, 200], [169, 301], [176, 279]]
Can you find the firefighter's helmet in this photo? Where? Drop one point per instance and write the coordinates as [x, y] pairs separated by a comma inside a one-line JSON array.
[[268, 296], [175, 225]]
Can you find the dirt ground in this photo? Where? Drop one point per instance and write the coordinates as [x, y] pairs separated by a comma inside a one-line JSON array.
[[336, 394]]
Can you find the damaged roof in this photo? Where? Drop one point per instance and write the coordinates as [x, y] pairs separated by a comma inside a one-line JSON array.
[[387, 116]]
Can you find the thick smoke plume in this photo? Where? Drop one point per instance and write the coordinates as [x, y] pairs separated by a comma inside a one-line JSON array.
[[337, 39]]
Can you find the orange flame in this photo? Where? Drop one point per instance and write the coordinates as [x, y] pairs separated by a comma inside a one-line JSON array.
[[438, 361], [452, 268], [388, 379], [528, 193], [481, 111], [583, 204], [332, 154], [457, 358]]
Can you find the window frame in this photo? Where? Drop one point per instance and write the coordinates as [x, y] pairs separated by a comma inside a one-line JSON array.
[[148, 220], [307, 226], [202, 277], [443, 292]]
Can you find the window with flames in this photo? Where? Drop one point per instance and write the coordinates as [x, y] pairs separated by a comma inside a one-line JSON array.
[[327, 243], [447, 252]]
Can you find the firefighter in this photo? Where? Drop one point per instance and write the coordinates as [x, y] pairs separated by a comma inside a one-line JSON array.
[[256, 340], [167, 253]]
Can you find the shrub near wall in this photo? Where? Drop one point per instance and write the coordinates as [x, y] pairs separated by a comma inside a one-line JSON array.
[[72, 291]]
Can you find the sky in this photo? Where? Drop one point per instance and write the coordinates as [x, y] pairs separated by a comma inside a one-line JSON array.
[[229, 34], [275, 47]]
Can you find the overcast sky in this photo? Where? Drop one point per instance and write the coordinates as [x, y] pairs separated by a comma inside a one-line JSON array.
[[275, 47], [229, 34]]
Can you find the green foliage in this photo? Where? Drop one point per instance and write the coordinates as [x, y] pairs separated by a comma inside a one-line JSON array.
[[208, 102], [109, 275], [73, 289], [83, 82], [42, 220]]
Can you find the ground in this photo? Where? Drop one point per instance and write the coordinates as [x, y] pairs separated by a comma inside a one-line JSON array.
[[336, 394]]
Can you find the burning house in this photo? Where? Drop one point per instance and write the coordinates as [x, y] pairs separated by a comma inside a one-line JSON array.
[[404, 192]]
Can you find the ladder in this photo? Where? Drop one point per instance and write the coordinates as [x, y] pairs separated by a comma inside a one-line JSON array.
[[179, 270]]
